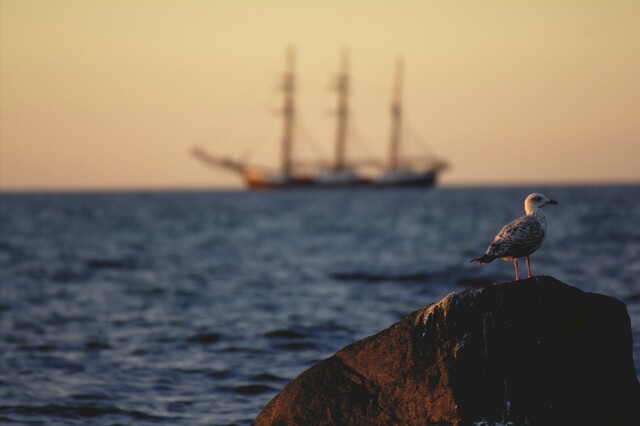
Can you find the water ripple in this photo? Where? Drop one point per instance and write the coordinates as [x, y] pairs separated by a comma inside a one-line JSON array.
[[196, 308]]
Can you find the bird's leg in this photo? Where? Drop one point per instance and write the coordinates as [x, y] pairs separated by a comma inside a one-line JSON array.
[[528, 266], [515, 264]]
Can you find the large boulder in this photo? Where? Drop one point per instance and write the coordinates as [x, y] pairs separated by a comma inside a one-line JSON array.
[[535, 352]]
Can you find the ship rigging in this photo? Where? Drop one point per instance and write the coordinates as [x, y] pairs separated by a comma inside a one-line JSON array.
[[398, 171]]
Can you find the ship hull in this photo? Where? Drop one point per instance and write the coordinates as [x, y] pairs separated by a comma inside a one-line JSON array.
[[407, 179], [404, 180]]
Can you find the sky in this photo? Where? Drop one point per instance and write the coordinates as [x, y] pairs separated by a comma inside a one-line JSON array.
[[113, 94]]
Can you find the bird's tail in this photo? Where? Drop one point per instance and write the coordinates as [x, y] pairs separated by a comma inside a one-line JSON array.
[[485, 258]]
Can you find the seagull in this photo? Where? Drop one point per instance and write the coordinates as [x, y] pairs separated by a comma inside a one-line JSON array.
[[521, 237]]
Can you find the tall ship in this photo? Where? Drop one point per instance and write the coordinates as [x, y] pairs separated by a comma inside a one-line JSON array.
[[397, 171]]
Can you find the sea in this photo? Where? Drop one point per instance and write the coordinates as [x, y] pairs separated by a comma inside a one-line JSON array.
[[197, 307]]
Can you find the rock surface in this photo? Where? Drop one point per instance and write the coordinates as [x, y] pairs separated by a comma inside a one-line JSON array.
[[535, 352]]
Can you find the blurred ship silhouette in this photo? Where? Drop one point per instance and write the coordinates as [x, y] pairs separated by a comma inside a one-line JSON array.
[[397, 171]]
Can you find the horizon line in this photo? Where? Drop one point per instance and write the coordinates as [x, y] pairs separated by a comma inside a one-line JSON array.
[[241, 188]]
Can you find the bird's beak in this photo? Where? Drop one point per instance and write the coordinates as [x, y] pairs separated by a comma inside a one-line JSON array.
[[552, 202]]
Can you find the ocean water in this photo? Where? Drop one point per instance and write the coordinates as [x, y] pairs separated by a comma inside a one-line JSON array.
[[196, 308]]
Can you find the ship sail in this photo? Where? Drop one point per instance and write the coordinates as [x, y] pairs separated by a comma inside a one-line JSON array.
[[288, 112], [396, 118], [341, 174], [400, 172], [342, 87]]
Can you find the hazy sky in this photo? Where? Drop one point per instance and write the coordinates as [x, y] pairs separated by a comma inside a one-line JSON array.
[[112, 94]]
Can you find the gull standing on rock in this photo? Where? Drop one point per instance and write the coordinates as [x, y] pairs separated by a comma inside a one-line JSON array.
[[521, 237]]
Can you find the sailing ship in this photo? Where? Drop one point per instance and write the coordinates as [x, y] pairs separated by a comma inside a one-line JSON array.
[[399, 171]]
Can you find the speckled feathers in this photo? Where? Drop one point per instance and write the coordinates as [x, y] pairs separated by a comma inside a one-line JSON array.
[[521, 237]]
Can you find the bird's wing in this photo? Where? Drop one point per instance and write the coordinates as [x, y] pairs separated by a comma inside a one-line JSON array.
[[518, 238]]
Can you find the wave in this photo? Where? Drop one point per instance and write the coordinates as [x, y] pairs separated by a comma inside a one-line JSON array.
[[379, 277], [253, 389], [76, 411], [205, 338]]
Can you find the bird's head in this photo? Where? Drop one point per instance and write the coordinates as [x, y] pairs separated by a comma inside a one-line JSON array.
[[536, 201]]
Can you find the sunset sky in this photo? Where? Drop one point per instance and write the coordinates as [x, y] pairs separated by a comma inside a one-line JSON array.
[[113, 94]]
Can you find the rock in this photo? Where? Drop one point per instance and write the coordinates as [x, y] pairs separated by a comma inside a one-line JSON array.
[[535, 352]]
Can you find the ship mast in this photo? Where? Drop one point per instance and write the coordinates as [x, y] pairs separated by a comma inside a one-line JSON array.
[[288, 112], [342, 87], [396, 117]]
